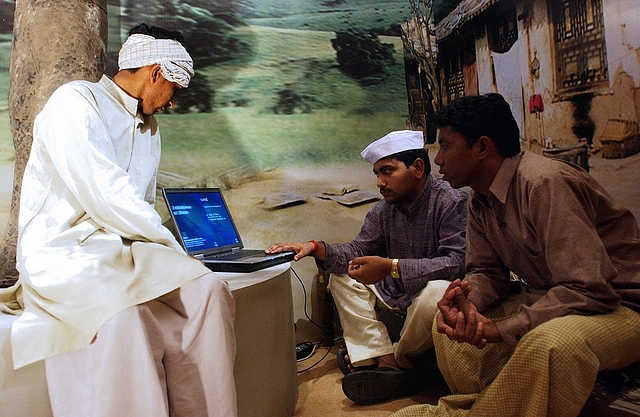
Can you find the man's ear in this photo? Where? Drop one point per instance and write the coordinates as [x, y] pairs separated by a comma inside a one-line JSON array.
[[418, 167], [156, 73], [484, 146]]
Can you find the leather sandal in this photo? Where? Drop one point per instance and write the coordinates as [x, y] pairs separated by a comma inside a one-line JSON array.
[[344, 366], [381, 384]]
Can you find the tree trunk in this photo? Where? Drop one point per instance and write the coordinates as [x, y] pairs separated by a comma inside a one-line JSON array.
[[53, 42]]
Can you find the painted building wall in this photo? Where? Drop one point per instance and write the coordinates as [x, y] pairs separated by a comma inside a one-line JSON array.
[[620, 100]]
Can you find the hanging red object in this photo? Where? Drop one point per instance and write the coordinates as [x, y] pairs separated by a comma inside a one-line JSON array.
[[535, 104]]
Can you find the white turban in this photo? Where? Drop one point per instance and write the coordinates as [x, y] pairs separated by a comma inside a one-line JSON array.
[[142, 50]]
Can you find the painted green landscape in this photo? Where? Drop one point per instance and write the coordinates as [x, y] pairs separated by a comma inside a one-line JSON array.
[[285, 100], [342, 120], [6, 141]]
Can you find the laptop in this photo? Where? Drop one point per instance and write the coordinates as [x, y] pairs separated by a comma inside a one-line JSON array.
[[207, 232]]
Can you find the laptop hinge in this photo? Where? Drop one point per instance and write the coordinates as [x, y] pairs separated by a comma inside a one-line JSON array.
[[235, 249], [199, 256]]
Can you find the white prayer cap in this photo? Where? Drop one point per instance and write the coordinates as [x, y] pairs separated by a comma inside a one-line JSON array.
[[394, 142], [141, 50]]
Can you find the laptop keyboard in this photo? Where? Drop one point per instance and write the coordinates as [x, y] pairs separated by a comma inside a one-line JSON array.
[[230, 256]]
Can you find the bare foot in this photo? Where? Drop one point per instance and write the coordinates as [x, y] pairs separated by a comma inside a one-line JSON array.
[[352, 368], [385, 361], [388, 361]]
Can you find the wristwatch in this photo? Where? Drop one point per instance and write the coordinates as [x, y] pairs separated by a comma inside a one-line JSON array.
[[394, 269]]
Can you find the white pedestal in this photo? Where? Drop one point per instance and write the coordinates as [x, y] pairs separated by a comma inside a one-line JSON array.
[[22, 392], [265, 370]]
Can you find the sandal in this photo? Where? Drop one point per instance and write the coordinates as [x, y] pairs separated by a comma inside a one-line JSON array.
[[344, 366], [382, 384]]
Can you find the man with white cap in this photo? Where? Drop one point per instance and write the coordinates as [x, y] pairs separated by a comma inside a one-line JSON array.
[[127, 323], [411, 245]]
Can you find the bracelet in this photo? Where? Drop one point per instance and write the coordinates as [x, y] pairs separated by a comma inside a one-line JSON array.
[[315, 247], [394, 269]]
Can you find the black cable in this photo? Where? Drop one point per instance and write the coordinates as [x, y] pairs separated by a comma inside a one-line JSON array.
[[304, 292], [321, 359], [336, 339]]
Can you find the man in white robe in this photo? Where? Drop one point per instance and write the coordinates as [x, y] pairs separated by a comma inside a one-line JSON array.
[[127, 324]]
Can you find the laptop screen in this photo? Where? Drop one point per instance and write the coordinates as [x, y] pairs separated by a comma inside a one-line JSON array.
[[203, 220]]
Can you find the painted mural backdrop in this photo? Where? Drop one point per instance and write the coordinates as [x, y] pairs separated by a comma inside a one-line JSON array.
[[6, 24], [278, 81]]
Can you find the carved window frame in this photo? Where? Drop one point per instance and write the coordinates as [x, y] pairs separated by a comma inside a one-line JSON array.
[[503, 30], [455, 53], [580, 51]]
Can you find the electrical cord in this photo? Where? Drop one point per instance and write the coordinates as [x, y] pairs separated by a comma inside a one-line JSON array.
[[304, 292], [305, 350], [317, 344], [320, 360]]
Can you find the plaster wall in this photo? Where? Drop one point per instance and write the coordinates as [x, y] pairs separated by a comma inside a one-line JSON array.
[[620, 99]]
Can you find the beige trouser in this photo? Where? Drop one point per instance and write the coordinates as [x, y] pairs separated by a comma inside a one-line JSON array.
[[367, 338], [551, 372], [170, 356]]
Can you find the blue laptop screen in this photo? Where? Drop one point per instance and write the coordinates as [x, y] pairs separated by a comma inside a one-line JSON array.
[[203, 220]]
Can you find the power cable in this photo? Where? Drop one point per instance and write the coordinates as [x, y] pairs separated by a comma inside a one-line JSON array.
[[309, 345]]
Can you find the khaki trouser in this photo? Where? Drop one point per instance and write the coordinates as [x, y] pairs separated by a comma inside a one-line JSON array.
[[367, 338], [551, 372], [170, 356]]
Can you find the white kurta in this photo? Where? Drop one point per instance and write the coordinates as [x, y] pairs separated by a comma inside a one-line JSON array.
[[90, 243]]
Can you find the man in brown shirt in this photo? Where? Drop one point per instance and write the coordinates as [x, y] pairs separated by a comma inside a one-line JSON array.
[[575, 253]]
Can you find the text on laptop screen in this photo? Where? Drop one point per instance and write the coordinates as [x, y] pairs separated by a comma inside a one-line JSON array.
[[203, 221]]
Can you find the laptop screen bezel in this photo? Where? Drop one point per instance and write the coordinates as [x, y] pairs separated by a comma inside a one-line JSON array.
[[166, 193]]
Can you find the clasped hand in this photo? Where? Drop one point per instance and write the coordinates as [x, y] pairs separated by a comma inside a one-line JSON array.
[[460, 320]]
